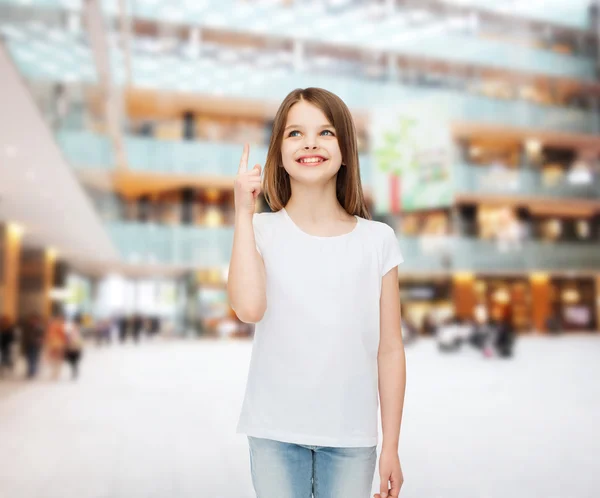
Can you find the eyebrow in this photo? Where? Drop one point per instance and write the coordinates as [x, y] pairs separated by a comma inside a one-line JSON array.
[[300, 126]]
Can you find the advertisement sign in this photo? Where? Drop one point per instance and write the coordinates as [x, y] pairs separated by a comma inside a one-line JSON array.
[[413, 153]]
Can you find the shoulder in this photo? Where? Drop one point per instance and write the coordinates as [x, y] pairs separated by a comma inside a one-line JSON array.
[[379, 229], [267, 220]]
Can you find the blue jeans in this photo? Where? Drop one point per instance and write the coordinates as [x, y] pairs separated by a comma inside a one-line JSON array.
[[286, 470]]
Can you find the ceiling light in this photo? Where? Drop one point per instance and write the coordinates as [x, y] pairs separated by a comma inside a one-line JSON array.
[[16, 230]]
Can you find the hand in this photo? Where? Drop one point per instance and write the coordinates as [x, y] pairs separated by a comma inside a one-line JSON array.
[[247, 185], [389, 471]]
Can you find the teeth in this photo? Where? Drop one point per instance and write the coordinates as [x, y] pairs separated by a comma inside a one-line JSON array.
[[311, 160]]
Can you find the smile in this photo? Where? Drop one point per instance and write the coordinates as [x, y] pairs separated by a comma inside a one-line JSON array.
[[311, 160]]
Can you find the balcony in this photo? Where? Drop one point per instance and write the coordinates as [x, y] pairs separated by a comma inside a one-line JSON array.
[[519, 182], [185, 246], [484, 256], [69, 59], [89, 150], [407, 31], [205, 247]]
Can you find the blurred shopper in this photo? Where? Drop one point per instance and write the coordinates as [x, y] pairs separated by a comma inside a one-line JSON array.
[[505, 336], [313, 375], [123, 325], [56, 341], [102, 332], [74, 347], [32, 341], [154, 326], [7, 338], [429, 324], [453, 333], [553, 324], [137, 324], [483, 332], [409, 329]]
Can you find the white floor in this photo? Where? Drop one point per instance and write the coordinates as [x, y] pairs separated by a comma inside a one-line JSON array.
[[158, 420]]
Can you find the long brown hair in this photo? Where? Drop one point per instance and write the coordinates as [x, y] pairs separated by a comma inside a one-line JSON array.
[[276, 183]]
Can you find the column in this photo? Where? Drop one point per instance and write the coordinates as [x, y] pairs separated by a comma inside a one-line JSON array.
[[464, 296], [36, 282], [540, 300], [10, 250]]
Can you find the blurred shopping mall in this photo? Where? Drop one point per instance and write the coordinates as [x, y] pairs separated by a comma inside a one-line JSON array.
[[121, 128], [123, 123]]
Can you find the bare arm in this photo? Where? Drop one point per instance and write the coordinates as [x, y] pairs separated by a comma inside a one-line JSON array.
[[246, 284], [391, 362]]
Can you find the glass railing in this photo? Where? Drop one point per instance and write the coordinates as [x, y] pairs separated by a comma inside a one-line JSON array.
[[520, 181], [479, 255], [371, 96], [145, 243], [86, 150], [211, 247], [571, 13], [247, 82], [435, 39]]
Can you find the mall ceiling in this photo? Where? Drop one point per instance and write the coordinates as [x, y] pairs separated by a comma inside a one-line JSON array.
[[38, 189]]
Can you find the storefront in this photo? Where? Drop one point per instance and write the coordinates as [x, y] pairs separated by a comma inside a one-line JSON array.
[[573, 302], [423, 223], [426, 302], [497, 294]]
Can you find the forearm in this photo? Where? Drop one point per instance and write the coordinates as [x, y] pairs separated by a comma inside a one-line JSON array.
[[392, 386], [246, 280]]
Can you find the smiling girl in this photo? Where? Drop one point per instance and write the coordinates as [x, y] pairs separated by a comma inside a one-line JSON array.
[[320, 280]]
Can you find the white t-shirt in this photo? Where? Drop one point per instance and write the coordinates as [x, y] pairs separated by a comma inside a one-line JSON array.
[[313, 375]]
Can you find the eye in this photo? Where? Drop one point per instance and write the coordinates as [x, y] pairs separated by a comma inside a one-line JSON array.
[[290, 134], [328, 131]]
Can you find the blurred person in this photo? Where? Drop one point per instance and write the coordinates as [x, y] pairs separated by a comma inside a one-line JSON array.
[[429, 325], [320, 280], [553, 323], [56, 341], [123, 326], [154, 326], [505, 335], [482, 331], [409, 329], [7, 338], [32, 341], [453, 333], [74, 346], [103, 331], [137, 324]]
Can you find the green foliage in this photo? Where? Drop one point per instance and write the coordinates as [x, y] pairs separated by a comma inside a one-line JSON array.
[[397, 154]]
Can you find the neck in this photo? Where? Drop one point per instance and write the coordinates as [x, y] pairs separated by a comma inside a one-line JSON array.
[[315, 203]]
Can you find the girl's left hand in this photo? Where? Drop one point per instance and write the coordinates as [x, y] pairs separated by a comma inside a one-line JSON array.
[[389, 471]]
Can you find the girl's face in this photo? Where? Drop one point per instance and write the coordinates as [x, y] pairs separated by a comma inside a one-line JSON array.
[[309, 148]]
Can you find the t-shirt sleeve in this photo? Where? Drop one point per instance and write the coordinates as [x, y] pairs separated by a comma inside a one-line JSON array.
[[390, 250], [259, 236]]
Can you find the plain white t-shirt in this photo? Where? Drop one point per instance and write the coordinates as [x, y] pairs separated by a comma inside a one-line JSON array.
[[313, 375]]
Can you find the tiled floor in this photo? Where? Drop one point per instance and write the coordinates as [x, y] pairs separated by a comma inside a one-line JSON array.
[[158, 420]]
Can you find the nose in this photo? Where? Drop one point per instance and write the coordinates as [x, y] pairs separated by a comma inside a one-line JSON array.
[[307, 147]]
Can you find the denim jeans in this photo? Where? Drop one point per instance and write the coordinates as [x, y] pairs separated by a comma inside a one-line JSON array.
[[286, 470]]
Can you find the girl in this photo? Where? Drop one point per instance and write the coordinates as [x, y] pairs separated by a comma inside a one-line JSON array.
[[320, 280]]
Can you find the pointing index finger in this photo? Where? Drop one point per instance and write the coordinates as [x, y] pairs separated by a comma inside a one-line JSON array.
[[244, 159]]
